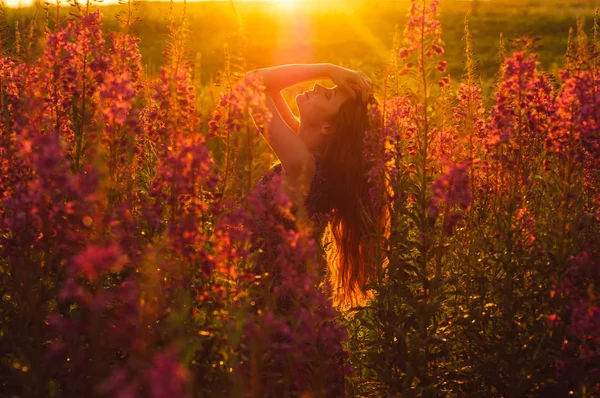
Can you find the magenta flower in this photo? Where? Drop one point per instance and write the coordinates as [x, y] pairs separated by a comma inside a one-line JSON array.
[[96, 260], [387, 146], [422, 25], [452, 189], [168, 377], [442, 66], [581, 319], [524, 103], [247, 99], [573, 136], [292, 324]]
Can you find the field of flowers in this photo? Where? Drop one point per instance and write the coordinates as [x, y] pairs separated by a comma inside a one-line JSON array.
[[129, 218]]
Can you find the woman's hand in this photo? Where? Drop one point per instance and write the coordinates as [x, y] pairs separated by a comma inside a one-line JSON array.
[[279, 77], [355, 81]]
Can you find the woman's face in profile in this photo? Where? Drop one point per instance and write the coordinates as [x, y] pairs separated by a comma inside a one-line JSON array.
[[320, 104]]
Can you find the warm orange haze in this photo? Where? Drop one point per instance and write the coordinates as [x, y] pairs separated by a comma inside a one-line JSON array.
[[27, 3], [300, 198]]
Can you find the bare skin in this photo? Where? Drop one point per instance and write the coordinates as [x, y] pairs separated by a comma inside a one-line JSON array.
[[296, 140]]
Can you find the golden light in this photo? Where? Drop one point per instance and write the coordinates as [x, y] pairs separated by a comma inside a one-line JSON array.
[[63, 3], [286, 3], [18, 3]]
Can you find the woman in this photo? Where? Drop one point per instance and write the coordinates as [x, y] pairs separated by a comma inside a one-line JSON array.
[[321, 155]]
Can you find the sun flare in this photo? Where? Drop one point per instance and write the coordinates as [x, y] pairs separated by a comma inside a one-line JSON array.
[[18, 3], [286, 3]]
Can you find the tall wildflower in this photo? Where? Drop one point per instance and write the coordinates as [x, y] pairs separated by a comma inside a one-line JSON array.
[[171, 274], [172, 113], [519, 119], [572, 164], [107, 272], [509, 204], [74, 64], [453, 189], [423, 33], [183, 186], [402, 153], [467, 121], [44, 213], [573, 137], [573, 133], [388, 148], [241, 116], [376, 158], [422, 42], [119, 132], [168, 377], [469, 116], [173, 109], [572, 142], [14, 168], [470, 119], [578, 360], [290, 328], [127, 17]]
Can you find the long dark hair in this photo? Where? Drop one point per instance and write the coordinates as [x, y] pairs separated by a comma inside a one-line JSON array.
[[354, 223]]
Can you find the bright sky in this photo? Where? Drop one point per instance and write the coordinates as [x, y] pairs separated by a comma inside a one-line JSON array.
[[27, 3]]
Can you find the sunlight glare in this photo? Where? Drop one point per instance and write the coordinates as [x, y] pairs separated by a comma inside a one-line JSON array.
[[63, 3], [288, 4], [18, 3], [284, 4]]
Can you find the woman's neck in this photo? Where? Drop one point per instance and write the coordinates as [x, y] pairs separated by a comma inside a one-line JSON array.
[[312, 138]]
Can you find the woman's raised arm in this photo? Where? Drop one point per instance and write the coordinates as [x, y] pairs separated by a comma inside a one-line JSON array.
[[277, 78]]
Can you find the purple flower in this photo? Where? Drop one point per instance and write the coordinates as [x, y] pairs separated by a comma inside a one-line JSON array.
[[442, 66], [292, 326], [453, 189], [168, 377], [422, 25], [96, 260]]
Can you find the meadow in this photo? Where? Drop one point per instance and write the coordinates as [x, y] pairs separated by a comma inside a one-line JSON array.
[[357, 33], [130, 211]]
